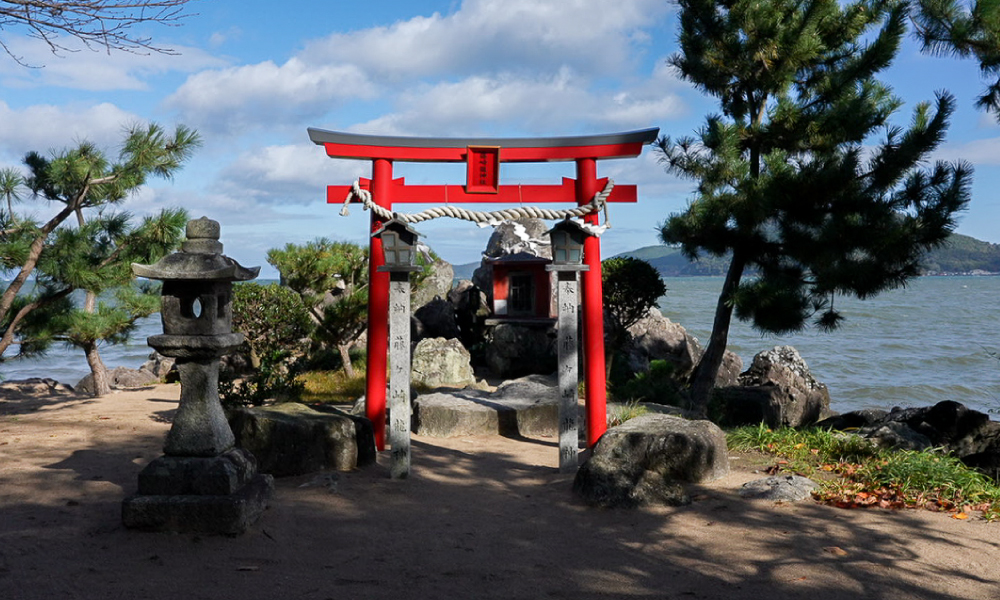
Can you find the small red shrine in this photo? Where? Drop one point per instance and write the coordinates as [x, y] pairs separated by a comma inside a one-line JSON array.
[[484, 157], [522, 289]]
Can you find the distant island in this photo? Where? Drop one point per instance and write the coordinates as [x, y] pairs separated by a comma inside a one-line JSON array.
[[960, 255]]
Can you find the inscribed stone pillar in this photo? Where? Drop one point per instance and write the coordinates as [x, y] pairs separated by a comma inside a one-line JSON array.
[[399, 376], [569, 340]]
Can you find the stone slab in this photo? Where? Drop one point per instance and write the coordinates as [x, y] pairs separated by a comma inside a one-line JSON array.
[[230, 514], [293, 439], [472, 412]]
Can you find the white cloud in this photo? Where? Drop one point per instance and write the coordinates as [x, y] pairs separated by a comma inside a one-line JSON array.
[[43, 127], [538, 104], [95, 70], [978, 152], [296, 174], [486, 62], [588, 35], [219, 38], [258, 95]]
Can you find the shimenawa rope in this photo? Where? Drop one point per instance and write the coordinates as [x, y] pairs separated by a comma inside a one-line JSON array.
[[598, 203]]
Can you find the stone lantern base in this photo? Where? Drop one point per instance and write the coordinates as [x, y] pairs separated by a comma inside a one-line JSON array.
[[219, 494]]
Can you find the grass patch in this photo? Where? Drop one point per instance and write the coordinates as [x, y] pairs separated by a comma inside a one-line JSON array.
[[871, 476], [335, 387], [623, 412], [331, 387]]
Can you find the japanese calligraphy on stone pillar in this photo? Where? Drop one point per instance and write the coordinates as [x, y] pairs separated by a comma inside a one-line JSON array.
[[568, 342], [399, 376]]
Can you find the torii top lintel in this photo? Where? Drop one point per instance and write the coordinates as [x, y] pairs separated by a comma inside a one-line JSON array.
[[417, 149], [483, 157]]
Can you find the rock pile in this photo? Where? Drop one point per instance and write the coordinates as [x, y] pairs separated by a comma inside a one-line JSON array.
[[967, 434]]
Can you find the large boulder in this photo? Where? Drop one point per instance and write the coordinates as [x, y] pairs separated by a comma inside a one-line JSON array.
[[777, 389], [120, 378], [437, 284], [729, 371], [655, 337], [162, 367], [643, 460], [518, 350], [440, 362], [293, 439], [436, 319], [470, 309]]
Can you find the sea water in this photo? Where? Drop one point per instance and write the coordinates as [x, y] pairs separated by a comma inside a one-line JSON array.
[[936, 339]]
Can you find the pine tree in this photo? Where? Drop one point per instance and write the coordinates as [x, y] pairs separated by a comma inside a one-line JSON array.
[[332, 279], [791, 179], [965, 30], [95, 255]]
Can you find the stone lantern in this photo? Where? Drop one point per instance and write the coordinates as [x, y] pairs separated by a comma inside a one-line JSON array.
[[202, 483]]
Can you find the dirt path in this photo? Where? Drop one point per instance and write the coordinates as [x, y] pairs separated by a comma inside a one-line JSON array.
[[485, 517]]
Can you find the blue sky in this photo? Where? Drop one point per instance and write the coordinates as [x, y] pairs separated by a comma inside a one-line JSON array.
[[252, 75]]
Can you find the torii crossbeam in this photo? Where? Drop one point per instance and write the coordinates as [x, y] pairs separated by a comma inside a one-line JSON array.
[[483, 157]]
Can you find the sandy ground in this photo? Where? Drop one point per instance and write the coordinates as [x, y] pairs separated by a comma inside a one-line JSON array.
[[485, 517]]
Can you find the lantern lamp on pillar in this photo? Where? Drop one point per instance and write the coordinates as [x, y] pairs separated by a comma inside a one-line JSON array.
[[399, 244], [567, 239]]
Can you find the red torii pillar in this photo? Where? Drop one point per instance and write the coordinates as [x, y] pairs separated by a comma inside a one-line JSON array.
[[483, 157]]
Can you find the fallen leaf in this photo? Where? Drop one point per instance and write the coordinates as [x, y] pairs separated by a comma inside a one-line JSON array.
[[960, 515], [835, 550]]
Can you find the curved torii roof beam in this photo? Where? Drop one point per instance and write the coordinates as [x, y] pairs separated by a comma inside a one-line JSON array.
[[420, 149]]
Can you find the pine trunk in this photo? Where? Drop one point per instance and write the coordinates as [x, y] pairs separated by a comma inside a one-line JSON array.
[[345, 357], [707, 372], [102, 384]]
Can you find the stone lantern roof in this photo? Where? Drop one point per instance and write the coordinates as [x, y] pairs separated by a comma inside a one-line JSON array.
[[199, 259]]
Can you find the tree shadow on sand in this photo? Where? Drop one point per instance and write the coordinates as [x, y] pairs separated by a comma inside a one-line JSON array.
[[481, 524]]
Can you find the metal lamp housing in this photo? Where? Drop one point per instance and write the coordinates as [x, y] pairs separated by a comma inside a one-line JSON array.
[[399, 245], [567, 238]]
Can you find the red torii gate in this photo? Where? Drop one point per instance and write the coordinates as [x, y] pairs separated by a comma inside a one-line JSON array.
[[483, 157]]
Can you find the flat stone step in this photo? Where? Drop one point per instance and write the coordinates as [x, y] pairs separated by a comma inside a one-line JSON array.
[[528, 406]]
